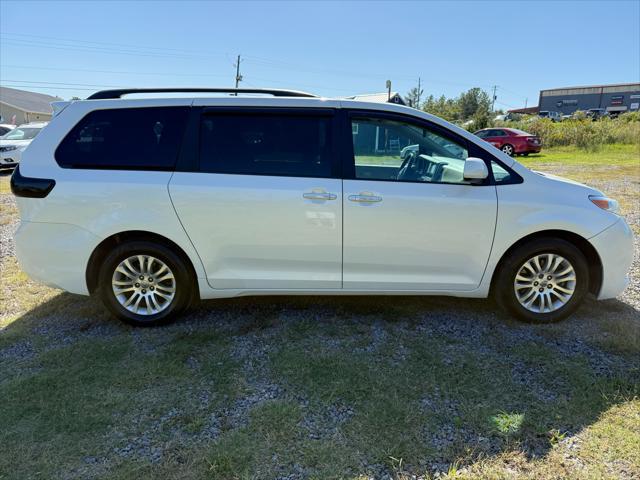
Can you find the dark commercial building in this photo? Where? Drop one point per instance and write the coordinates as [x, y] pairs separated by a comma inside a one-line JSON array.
[[620, 98]]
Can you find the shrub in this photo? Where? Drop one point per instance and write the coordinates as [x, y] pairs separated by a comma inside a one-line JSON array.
[[582, 132]]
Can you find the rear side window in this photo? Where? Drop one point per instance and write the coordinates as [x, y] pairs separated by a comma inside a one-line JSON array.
[[125, 138], [266, 144]]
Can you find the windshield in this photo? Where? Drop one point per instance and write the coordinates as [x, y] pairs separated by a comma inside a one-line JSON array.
[[21, 134], [544, 114]]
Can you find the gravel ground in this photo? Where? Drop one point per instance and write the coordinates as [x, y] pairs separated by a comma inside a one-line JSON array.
[[8, 229], [473, 322]]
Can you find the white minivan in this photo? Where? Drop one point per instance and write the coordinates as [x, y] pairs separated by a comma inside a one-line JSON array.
[[152, 203]]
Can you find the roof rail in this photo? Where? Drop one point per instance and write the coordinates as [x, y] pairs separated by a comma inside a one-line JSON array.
[[118, 93]]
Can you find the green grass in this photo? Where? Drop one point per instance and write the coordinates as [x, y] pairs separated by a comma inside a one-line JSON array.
[[616, 155], [363, 384]]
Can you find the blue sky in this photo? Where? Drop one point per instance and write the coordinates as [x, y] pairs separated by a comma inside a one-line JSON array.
[[330, 48]]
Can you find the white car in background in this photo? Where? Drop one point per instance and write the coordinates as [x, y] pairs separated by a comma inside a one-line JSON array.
[[13, 143], [5, 128]]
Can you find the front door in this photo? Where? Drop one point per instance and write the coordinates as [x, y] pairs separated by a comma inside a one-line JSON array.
[[264, 209], [411, 222]]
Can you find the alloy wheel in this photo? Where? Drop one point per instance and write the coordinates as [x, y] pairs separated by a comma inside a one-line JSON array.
[[143, 285], [545, 283]]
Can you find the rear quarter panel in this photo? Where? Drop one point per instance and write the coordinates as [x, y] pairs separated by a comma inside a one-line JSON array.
[[102, 202]]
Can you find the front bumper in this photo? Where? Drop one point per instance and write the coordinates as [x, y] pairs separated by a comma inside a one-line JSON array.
[[10, 158], [615, 248], [55, 254]]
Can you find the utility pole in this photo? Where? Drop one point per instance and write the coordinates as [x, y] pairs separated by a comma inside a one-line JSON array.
[[419, 92], [388, 90], [525, 102], [238, 76], [493, 100]]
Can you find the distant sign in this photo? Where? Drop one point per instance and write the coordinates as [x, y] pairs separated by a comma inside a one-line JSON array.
[[561, 103], [635, 105], [617, 99]]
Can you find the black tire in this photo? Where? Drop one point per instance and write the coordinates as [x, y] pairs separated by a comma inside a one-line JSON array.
[[526, 154], [184, 283], [508, 149], [504, 290]]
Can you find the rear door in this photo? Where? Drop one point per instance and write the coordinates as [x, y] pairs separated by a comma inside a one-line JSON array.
[[412, 223], [496, 137], [262, 203]]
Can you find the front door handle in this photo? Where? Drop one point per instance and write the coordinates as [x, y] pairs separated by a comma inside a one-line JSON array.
[[319, 196], [365, 198]]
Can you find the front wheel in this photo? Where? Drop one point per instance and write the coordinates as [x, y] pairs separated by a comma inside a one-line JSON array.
[[144, 283], [542, 281]]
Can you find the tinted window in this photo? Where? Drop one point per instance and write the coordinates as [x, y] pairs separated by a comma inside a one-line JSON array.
[[392, 150], [126, 138], [266, 144]]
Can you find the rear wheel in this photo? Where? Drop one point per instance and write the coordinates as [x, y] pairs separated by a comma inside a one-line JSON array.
[[508, 149], [542, 281], [144, 283]]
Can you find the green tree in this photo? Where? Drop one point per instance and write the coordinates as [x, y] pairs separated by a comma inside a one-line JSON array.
[[413, 97], [474, 102]]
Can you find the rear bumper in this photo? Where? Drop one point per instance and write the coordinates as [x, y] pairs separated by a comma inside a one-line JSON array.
[[55, 254], [615, 248], [528, 149]]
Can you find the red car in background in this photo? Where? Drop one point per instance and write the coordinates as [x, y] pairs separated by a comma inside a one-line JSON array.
[[511, 140]]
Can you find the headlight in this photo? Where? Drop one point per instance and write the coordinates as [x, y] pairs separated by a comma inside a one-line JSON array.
[[605, 203], [8, 148]]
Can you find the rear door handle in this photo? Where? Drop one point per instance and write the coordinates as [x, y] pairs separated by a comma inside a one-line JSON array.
[[365, 198], [319, 196]]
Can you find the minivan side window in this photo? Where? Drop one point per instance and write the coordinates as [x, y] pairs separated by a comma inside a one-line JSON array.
[[125, 138], [392, 150], [279, 144]]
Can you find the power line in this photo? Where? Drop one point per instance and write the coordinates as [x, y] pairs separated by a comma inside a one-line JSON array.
[[163, 49], [64, 83], [177, 74]]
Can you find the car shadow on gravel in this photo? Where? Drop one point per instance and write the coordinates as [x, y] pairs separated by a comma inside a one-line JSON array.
[[435, 381]]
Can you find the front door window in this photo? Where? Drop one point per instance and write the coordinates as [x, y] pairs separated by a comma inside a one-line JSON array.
[[391, 150]]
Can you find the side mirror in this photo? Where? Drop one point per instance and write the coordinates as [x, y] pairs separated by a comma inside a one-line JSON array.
[[475, 169]]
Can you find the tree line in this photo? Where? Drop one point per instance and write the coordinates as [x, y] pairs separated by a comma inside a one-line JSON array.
[[473, 105]]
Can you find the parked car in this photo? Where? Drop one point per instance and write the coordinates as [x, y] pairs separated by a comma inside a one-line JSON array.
[[511, 140], [597, 113], [5, 128], [14, 142], [152, 203], [553, 116]]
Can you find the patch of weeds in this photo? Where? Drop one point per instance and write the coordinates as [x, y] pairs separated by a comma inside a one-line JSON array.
[[507, 424]]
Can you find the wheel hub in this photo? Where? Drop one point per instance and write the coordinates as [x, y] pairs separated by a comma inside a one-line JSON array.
[[545, 283], [143, 284]]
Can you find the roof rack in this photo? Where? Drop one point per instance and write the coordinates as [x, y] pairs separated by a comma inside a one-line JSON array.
[[118, 93]]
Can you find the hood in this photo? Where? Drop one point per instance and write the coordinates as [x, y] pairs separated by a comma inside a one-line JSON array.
[[16, 143], [555, 178]]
